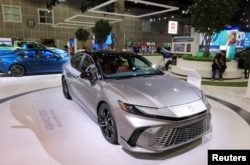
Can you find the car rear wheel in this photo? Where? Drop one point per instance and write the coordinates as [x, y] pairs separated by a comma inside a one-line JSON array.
[[107, 124], [17, 70], [65, 89]]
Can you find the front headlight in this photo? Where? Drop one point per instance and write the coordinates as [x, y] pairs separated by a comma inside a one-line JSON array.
[[129, 108], [204, 98]]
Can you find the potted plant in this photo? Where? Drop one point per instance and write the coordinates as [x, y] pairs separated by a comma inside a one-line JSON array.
[[82, 35], [101, 31]]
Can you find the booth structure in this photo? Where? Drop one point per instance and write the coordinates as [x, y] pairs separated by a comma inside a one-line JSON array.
[[184, 45], [204, 68], [248, 88]]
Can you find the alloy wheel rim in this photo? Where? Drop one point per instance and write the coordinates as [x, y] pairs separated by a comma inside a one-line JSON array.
[[106, 123], [17, 70]]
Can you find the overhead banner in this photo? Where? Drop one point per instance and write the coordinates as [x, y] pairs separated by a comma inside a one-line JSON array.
[[172, 27]]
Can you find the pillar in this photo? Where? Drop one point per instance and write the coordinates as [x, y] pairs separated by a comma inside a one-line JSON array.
[[118, 27]]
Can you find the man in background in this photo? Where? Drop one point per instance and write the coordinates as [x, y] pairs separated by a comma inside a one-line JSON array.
[[246, 57], [219, 64], [166, 54]]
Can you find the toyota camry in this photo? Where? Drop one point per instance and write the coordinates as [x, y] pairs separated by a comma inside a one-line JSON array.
[[136, 104]]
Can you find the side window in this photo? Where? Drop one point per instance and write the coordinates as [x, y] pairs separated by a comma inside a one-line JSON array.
[[47, 54], [86, 63], [40, 54], [140, 64], [30, 46], [76, 60]]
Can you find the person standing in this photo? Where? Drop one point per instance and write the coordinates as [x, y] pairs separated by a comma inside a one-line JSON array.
[[166, 54], [246, 57], [219, 64]]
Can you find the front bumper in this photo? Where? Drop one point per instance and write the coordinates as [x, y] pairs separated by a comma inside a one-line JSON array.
[[160, 135]]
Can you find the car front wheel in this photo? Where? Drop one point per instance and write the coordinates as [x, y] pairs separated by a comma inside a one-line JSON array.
[[107, 124], [65, 89], [17, 70]]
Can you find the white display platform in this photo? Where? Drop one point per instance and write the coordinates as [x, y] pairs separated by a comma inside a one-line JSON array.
[[193, 77], [248, 88], [43, 128], [205, 68]]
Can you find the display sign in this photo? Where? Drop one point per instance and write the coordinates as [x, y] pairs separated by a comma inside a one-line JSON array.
[[72, 45], [5, 42], [180, 48], [229, 38], [172, 27], [108, 44], [184, 45], [183, 39]]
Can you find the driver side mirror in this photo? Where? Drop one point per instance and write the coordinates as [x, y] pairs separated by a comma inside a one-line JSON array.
[[58, 57], [90, 74], [22, 55]]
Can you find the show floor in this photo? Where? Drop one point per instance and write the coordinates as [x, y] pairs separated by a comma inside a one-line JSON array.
[[39, 127]]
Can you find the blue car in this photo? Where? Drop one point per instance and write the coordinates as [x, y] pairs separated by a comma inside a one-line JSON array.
[[32, 58]]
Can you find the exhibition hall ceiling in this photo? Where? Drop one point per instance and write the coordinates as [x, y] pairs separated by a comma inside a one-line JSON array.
[[178, 10]]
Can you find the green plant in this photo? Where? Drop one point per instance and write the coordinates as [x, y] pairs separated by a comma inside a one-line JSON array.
[[211, 16], [200, 58], [101, 31], [226, 83], [82, 35]]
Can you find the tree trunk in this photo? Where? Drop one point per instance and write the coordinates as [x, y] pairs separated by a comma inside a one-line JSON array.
[[82, 44], [207, 45]]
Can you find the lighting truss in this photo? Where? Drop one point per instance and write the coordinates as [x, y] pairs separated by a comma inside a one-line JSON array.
[[71, 26], [73, 19], [167, 8]]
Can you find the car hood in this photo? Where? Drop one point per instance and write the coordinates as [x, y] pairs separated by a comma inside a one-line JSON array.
[[156, 91], [59, 51], [6, 51]]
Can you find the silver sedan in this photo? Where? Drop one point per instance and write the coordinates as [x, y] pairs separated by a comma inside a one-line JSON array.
[[134, 102]]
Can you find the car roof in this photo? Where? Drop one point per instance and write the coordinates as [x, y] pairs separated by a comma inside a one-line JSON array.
[[112, 53], [95, 54]]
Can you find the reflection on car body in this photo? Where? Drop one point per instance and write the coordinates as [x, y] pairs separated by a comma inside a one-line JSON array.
[[135, 103]]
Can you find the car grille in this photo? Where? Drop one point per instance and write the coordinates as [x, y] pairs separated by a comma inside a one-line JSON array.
[[179, 135]]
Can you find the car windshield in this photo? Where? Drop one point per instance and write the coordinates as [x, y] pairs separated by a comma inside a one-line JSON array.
[[120, 66]]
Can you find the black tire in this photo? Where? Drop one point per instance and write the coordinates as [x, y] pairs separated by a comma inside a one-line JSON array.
[[65, 89], [17, 70], [107, 124]]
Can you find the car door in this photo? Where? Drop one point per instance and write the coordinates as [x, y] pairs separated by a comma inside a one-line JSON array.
[[38, 59], [73, 75], [28, 57], [88, 92], [50, 61]]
